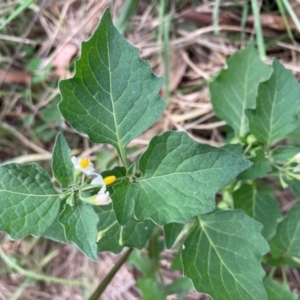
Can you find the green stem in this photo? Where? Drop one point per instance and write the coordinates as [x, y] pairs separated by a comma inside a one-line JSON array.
[[104, 283], [124, 158], [40, 277], [272, 272]]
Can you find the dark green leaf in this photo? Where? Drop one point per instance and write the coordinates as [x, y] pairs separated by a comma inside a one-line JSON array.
[[277, 105], [136, 234], [258, 206], [109, 228], [283, 153], [80, 224], [123, 200], [62, 166], [261, 166], [29, 203], [180, 178], [113, 96], [286, 242], [222, 256], [235, 148], [172, 231], [113, 237], [235, 89], [278, 291], [55, 232]]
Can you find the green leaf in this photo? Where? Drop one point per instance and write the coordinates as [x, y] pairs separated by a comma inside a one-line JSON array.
[[180, 287], [295, 187], [277, 105], [258, 206], [222, 256], [112, 236], [150, 289], [109, 228], [180, 178], [55, 232], [235, 88], [80, 224], [29, 203], [278, 291], [261, 166], [113, 96], [286, 242], [136, 234], [62, 166], [123, 200], [172, 231], [234, 148], [283, 153], [143, 263]]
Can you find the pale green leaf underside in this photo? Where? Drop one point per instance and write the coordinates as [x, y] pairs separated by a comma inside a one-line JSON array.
[[28, 200], [277, 290], [286, 243], [80, 224], [222, 256], [113, 96], [235, 89], [258, 206], [180, 178], [277, 105], [62, 165]]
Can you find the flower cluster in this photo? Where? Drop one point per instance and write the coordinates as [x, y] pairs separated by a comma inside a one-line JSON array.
[[85, 166]]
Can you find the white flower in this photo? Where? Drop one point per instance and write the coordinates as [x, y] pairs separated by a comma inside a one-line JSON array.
[[102, 198], [84, 165], [297, 158]]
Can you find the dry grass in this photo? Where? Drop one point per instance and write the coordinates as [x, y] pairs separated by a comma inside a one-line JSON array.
[[52, 31]]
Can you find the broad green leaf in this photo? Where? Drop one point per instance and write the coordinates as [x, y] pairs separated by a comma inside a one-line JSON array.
[[56, 231], [28, 200], [113, 96], [278, 291], [235, 88], [180, 178], [109, 239], [286, 243], [62, 165], [222, 256], [136, 234], [171, 232], [261, 166], [235, 148], [80, 224], [123, 200], [283, 153], [277, 105], [113, 237], [258, 206]]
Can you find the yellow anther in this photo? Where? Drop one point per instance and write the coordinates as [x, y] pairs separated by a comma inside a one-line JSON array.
[[84, 163], [109, 179]]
